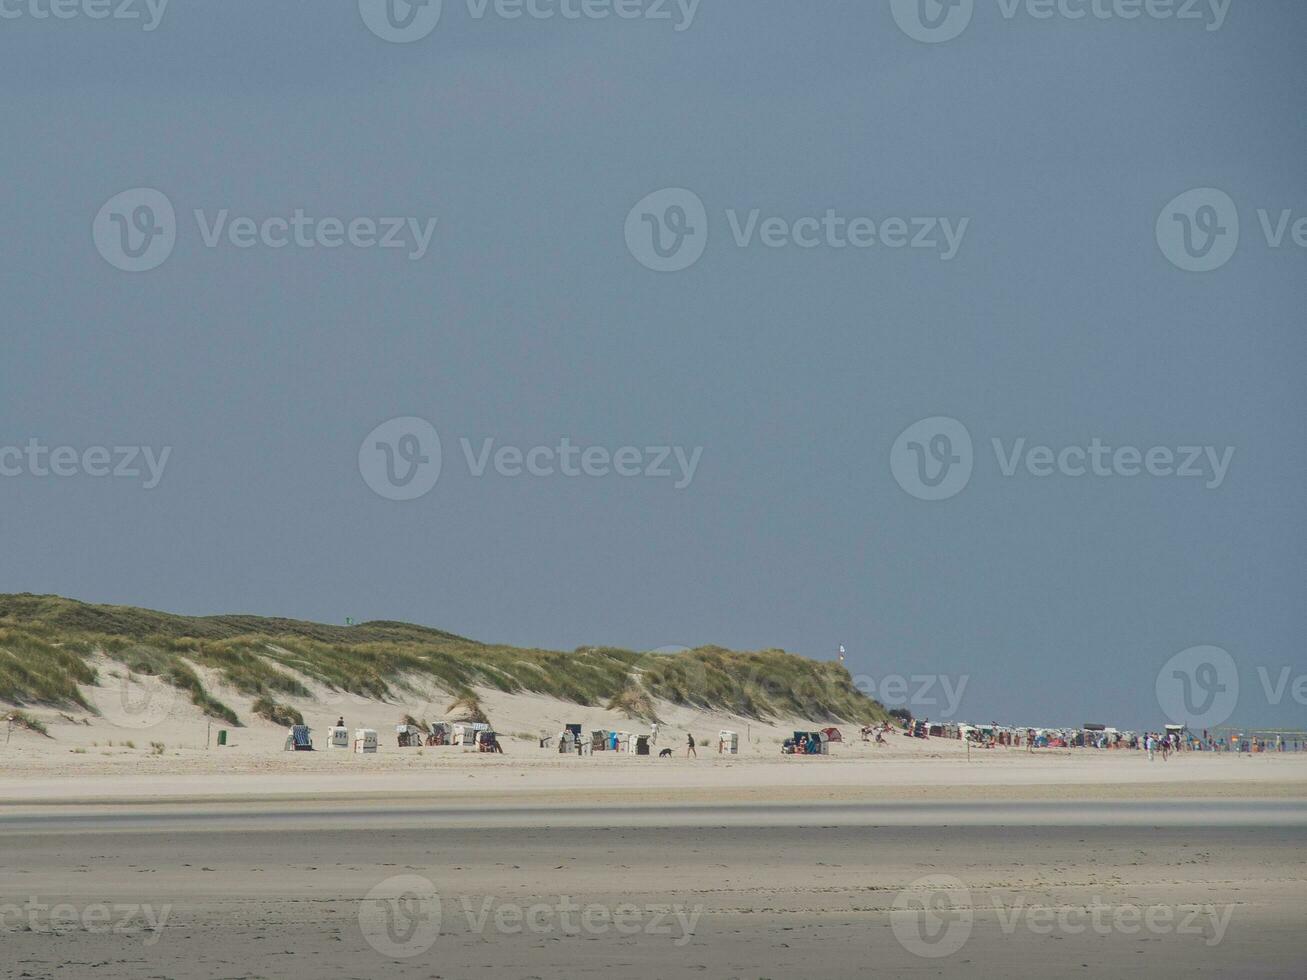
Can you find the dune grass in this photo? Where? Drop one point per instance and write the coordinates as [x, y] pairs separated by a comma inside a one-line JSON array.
[[21, 719], [276, 712], [467, 707], [40, 672], [634, 702], [47, 642]]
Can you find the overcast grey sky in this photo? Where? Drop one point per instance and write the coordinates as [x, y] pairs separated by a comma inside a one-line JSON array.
[[1039, 288]]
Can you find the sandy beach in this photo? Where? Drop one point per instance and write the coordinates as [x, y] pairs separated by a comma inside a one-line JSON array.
[[742, 891], [542, 777], [148, 745], [132, 849]]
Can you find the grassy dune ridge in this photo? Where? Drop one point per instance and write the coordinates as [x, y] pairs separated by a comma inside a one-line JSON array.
[[47, 642]]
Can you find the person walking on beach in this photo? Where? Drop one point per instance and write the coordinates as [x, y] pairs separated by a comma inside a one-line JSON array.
[[653, 733], [1149, 744], [689, 746]]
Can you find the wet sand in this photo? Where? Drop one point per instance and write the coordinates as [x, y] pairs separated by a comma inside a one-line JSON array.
[[914, 858], [1050, 889]]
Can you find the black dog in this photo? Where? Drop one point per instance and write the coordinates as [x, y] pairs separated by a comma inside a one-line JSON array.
[[665, 754]]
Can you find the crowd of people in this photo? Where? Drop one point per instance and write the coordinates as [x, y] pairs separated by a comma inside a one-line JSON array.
[[1174, 739]]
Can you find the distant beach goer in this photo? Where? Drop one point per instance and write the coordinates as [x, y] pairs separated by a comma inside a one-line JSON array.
[[689, 746], [653, 733], [1149, 744]]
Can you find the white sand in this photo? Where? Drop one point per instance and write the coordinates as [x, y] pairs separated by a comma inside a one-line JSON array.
[[110, 757]]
